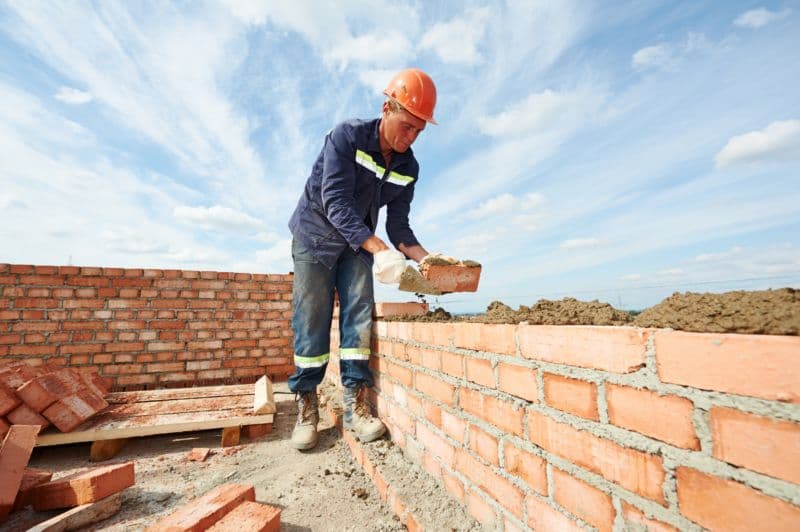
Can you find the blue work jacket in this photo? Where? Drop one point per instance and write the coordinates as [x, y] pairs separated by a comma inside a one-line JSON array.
[[349, 183]]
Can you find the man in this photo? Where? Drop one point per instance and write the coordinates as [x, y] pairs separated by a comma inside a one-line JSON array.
[[363, 165]]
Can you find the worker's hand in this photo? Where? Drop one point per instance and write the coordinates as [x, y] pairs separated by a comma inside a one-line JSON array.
[[437, 258], [389, 266]]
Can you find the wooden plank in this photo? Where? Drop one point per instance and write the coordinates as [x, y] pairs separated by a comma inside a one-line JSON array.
[[104, 449], [175, 406], [150, 425], [179, 393], [14, 455], [81, 516], [263, 400]]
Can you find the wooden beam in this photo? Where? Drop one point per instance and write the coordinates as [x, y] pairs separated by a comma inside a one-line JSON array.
[[170, 394], [263, 400], [150, 425], [81, 516]]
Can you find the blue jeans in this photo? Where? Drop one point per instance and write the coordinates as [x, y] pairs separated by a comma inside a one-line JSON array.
[[312, 295]]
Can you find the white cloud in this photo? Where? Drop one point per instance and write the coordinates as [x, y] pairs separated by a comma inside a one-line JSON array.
[[128, 241], [543, 111], [778, 141], [217, 218], [478, 244], [756, 18], [457, 41], [73, 96], [388, 47], [717, 257], [502, 204], [277, 258], [656, 55], [583, 243]]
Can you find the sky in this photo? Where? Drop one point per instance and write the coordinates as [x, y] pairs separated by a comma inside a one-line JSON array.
[[619, 151]]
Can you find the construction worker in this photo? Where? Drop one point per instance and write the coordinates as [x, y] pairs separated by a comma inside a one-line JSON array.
[[363, 165]]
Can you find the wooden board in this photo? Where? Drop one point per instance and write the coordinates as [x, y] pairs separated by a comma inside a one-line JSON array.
[[133, 414]]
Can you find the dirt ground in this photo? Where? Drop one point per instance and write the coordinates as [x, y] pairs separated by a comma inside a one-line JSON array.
[[754, 312], [323, 489]]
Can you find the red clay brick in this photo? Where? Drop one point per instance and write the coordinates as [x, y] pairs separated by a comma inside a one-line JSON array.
[[8, 400], [35, 396], [758, 443], [583, 500], [4, 427], [385, 309], [637, 471], [198, 454], [504, 492], [257, 431], [756, 365], [453, 485], [480, 372], [719, 504], [435, 388], [14, 455], [250, 517], [481, 511], [518, 381], [634, 519], [542, 516], [436, 444], [527, 466], [454, 426], [30, 479], [499, 413], [484, 445], [83, 487], [494, 338], [666, 418], [616, 349], [571, 395], [431, 333], [23, 415], [452, 277]]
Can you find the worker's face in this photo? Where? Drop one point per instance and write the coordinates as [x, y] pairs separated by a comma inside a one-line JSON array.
[[400, 128]]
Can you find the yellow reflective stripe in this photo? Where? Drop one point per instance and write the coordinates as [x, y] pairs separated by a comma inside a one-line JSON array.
[[311, 362], [354, 353], [365, 160], [399, 179]]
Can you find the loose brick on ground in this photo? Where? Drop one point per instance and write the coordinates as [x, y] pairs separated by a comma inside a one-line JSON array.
[[14, 455], [83, 487], [250, 517], [204, 511], [30, 479]]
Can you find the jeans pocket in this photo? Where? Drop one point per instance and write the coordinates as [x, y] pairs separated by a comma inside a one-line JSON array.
[[300, 253]]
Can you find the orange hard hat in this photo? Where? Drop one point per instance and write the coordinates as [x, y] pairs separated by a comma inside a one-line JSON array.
[[414, 89]]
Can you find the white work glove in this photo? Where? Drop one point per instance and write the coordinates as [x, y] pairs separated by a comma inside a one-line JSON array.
[[389, 266], [437, 258]]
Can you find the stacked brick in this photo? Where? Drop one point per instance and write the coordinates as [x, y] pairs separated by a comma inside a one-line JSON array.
[[560, 428], [44, 395], [146, 329]]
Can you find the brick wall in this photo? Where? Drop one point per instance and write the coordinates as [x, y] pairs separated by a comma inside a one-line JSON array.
[[148, 328], [616, 428]]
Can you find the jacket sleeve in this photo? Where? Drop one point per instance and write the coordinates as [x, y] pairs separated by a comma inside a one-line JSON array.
[[397, 226], [338, 188]]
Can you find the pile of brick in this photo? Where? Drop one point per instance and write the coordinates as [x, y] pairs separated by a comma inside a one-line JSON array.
[[43, 395], [226, 508], [90, 495]]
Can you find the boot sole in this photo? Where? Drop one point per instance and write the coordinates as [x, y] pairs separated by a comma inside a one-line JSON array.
[[304, 446], [366, 438]]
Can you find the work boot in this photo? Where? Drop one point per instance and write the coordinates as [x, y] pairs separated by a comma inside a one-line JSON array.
[[357, 417], [304, 435]]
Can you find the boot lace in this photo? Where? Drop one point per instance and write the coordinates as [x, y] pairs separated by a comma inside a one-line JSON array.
[[362, 406], [306, 406]]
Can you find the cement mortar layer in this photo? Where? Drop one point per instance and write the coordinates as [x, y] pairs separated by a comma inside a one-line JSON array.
[[644, 378]]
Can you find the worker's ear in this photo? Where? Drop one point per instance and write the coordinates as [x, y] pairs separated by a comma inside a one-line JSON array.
[[385, 109]]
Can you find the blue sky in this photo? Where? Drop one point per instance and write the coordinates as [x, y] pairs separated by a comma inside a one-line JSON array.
[[618, 151]]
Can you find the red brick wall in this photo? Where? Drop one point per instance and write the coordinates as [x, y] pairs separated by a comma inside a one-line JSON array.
[[554, 428], [148, 328]]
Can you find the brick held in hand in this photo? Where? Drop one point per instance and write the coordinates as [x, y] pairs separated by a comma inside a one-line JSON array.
[[460, 277], [24, 415], [83, 487]]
